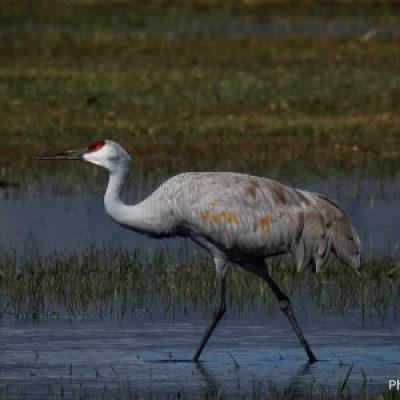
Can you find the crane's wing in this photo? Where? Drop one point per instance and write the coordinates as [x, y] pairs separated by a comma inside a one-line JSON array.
[[242, 212]]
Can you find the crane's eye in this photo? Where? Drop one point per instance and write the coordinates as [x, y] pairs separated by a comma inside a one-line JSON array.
[[95, 146]]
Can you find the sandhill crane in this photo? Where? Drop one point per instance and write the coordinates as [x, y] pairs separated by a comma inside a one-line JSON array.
[[239, 219]]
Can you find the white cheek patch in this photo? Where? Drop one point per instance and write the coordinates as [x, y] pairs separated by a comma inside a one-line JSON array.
[[96, 157]]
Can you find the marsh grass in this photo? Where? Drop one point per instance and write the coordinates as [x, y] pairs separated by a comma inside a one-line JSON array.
[[344, 391], [125, 391], [110, 283], [260, 391]]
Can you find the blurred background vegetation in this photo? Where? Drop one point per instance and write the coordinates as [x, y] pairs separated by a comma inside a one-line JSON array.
[[255, 86]]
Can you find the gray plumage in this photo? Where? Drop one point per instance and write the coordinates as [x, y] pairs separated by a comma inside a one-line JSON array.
[[246, 217], [238, 218]]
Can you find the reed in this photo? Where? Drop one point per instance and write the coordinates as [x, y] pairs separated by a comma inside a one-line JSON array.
[[110, 283]]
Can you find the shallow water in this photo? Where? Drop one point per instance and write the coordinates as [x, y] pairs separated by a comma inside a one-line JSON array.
[[49, 222], [142, 356]]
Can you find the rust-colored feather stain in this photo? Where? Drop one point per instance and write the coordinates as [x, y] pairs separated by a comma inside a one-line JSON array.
[[214, 218], [229, 218], [263, 223]]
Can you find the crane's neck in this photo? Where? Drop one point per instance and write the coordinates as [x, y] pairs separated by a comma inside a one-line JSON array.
[[112, 199], [143, 217]]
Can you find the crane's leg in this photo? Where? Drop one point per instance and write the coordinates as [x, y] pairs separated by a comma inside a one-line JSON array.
[[259, 269], [286, 307], [218, 313]]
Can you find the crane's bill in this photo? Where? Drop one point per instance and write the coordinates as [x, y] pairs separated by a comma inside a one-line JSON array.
[[65, 155]]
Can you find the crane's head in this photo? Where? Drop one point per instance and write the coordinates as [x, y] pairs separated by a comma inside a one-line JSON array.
[[106, 153]]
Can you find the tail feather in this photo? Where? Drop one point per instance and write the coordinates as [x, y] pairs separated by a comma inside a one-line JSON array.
[[345, 241], [326, 229]]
